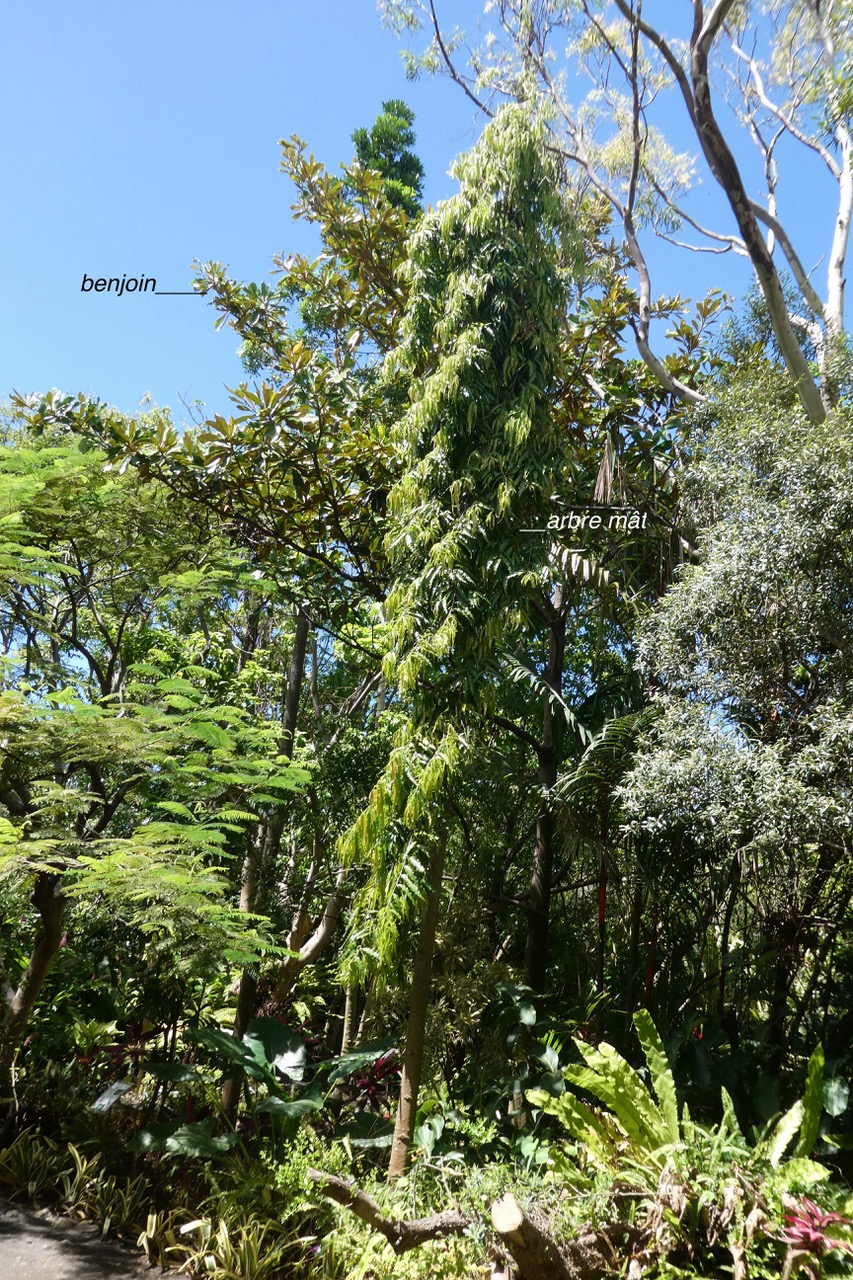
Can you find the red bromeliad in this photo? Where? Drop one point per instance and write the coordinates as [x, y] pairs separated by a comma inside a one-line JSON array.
[[806, 1225]]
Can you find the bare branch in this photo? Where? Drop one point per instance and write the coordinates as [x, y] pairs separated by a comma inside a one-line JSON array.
[[782, 116], [730, 242], [451, 66], [401, 1234], [810, 294]]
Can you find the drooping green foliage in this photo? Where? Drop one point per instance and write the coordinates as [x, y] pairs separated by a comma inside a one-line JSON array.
[[482, 450]]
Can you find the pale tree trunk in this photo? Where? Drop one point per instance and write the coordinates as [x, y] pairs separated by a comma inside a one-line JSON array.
[[413, 1053], [724, 168], [348, 1034]]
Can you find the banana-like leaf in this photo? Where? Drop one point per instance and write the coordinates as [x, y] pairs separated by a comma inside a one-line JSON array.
[[812, 1104], [608, 1077], [600, 1133], [782, 1134], [662, 1080]]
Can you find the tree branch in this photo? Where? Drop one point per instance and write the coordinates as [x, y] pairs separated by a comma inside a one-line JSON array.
[[402, 1235]]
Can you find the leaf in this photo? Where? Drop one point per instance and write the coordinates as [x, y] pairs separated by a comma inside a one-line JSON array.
[[580, 1121], [836, 1095], [800, 1173], [177, 1072], [178, 1139], [173, 806], [783, 1133], [350, 1062], [219, 1043], [272, 1044], [211, 734], [662, 1080], [295, 1108], [614, 1082], [812, 1104]]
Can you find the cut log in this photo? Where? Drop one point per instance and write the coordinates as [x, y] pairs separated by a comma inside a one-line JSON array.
[[532, 1250], [536, 1254]]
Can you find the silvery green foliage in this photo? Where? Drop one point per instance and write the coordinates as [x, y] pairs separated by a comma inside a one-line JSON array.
[[752, 651]]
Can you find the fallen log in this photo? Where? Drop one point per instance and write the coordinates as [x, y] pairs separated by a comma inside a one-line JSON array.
[[402, 1234], [535, 1253]]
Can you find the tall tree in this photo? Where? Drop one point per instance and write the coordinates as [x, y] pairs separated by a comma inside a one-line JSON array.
[[387, 148], [744, 777]]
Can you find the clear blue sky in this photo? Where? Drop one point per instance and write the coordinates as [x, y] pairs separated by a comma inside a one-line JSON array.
[[137, 137]]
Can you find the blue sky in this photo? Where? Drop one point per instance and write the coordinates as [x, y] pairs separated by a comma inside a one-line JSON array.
[[138, 137]]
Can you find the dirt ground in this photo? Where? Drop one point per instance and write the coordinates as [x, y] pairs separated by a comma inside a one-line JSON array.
[[33, 1244]]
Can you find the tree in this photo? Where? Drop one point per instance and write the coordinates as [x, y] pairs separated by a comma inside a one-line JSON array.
[[301, 476], [129, 766], [386, 148], [496, 383], [784, 68], [744, 777]]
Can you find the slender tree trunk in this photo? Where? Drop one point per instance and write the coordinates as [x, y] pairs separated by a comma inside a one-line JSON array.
[[350, 1005], [539, 908], [413, 1053], [50, 901], [247, 990]]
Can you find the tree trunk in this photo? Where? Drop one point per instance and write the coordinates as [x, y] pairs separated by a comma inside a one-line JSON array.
[[248, 986], [539, 908], [533, 1252], [348, 1033], [49, 899], [724, 168], [413, 1054]]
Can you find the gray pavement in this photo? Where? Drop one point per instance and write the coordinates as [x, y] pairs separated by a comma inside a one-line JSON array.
[[34, 1244]]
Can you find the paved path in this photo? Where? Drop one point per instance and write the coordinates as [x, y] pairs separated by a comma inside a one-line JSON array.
[[33, 1244]]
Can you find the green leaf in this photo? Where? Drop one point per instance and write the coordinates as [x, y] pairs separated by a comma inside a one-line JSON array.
[[193, 1140], [797, 1173], [177, 1072], [783, 1132], [836, 1095], [611, 1079], [272, 1044], [662, 1080], [294, 1108], [211, 734], [812, 1104]]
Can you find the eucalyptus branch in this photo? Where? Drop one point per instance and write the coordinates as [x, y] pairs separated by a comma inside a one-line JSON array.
[[730, 242], [782, 116], [810, 294], [450, 65]]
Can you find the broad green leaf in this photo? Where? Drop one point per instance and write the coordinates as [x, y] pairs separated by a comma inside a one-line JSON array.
[[812, 1104], [662, 1081], [836, 1095], [783, 1132]]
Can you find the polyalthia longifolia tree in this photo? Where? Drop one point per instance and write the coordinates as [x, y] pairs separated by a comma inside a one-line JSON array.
[[481, 454]]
